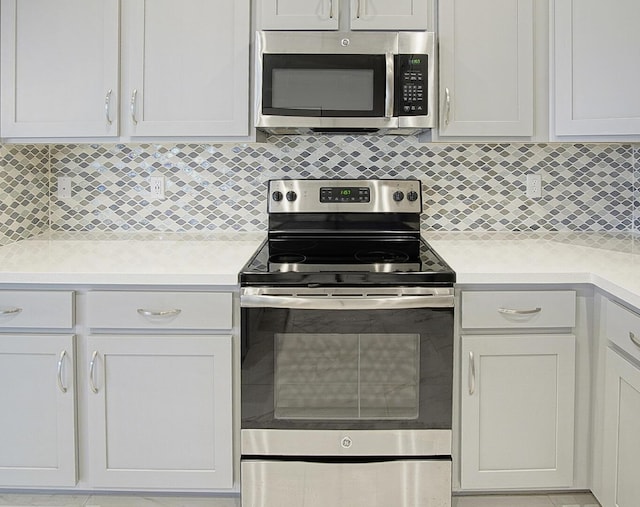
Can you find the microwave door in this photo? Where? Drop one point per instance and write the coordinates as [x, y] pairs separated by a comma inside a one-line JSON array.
[[326, 91]]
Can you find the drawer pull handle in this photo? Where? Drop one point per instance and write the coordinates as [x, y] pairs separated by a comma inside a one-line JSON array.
[[92, 368], [162, 313], [511, 311], [60, 364], [472, 374], [634, 339], [11, 311]]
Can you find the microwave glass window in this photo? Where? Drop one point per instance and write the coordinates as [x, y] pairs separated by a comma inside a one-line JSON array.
[[324, 85], [324, 89]]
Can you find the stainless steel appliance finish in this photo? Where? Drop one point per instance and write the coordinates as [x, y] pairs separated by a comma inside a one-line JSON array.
[[347, 351], [331, 87]]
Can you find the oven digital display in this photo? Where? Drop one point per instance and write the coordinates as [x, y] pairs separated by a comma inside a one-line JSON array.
[[345, 194]]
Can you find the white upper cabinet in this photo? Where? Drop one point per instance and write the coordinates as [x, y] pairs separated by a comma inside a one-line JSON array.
[[361, 14], [59, 68], [389, 14], [186, 68], [486, 67], [299, 14], [597, 67]]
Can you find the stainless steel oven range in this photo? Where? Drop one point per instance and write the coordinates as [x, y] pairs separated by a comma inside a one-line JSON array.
[[347, 351]]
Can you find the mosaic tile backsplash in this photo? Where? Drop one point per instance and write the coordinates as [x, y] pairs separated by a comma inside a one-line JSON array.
[[586, 187], [24, 192]]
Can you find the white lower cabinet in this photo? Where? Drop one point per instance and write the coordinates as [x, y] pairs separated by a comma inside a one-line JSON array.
[[38, 411], [517, 411], [621, 415], [160, 390], [160, 411], [621, 456]]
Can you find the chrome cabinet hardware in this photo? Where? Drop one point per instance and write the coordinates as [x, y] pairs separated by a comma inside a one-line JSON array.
[[472, 374], [60, 364], [359, 9], [11, 311], [132, 106], [447, 106], [160, 313], [107, 106], [92, 368], [510, 311], [634, 339], [330, 9]]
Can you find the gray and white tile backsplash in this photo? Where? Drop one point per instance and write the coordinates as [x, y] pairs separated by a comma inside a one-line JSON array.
[[586, 187]]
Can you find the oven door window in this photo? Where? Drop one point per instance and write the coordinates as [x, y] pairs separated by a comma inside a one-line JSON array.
[[346, 376], [357, 369], [324, 85]]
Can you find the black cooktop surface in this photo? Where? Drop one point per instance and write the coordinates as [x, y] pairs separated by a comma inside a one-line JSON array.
[[328, 261]]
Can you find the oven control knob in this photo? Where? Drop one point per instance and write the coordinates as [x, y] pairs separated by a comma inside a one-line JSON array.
[[398, 196], [291, 196], [412, 196], [277, 196]]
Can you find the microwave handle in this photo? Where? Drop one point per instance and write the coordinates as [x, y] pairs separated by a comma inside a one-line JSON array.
[[389, 95]]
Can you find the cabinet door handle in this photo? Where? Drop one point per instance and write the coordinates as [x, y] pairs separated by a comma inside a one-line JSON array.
[[634, 339], [92, 369], [107, 106], [11, 311], [60, 364], [330, 9], [511, 311], [447, 106], [132, 106], [160, 313], [472, 374], [359, 9]]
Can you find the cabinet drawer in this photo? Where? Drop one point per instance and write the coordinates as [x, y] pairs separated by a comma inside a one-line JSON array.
[[518, 309], [160, 310], [36, 309], [623, 328]]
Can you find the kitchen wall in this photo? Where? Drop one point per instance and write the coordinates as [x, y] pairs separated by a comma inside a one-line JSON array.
[[586, 187]]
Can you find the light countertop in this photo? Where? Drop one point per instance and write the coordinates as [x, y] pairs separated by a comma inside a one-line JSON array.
[[611, 262], [136, 258]]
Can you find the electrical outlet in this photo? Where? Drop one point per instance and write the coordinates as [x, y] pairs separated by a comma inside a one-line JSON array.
[[534, 186], [156, 186], [64, 187]]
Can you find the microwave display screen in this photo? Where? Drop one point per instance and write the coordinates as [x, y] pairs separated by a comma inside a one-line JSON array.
[[324, 85]]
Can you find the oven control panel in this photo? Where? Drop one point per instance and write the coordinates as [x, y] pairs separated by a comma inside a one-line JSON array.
[[338, 196]]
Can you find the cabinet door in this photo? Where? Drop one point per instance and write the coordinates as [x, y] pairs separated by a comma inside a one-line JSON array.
[[299, 14], [621, 456], [390, 14], [188, 67], [160, 411], [486, 67], [517, 411], [59, 68], [37, 425], [597, 68]]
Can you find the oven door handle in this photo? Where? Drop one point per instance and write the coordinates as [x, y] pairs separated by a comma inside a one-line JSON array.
[[346, 303]]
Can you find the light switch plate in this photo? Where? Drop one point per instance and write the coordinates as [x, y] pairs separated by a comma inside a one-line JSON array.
[[64, 187]]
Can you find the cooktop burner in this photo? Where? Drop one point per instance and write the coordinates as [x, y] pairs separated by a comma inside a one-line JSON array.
[[316, 242]]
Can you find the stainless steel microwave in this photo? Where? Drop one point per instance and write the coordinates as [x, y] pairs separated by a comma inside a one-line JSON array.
[[345, 82]]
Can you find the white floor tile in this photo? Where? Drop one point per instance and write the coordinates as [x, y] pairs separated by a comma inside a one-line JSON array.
[[502, 501]]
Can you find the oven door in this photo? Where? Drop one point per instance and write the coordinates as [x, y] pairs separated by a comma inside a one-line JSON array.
[[347, 358]]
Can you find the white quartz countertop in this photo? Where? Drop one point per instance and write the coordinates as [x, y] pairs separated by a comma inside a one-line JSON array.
[[138, 259], [612, 263]]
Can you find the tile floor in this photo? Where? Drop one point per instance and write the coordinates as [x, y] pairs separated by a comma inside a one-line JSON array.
[[43, 500]]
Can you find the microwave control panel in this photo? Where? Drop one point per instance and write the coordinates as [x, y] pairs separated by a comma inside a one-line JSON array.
[[411, 85]]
